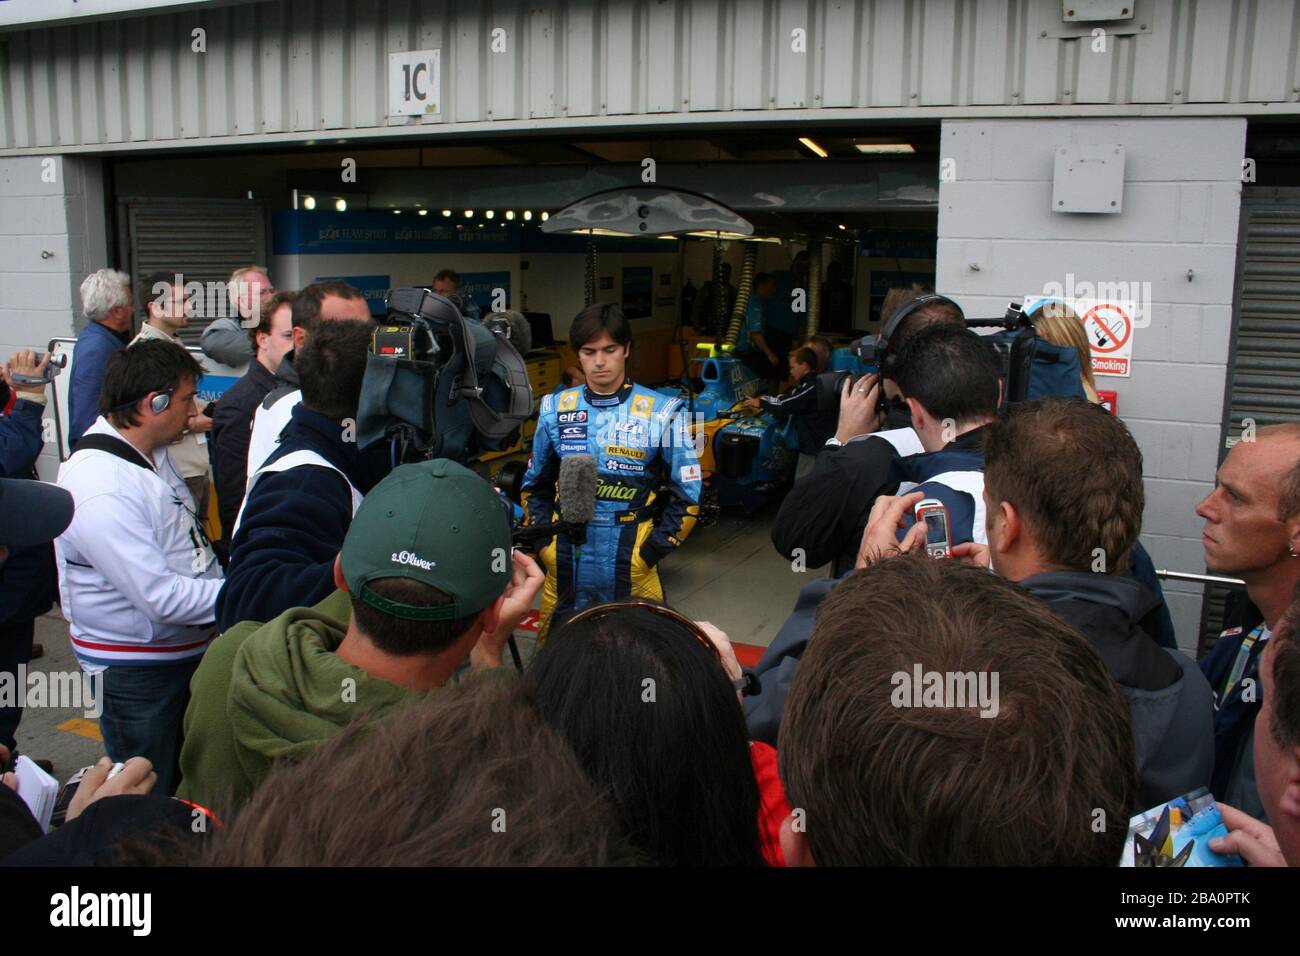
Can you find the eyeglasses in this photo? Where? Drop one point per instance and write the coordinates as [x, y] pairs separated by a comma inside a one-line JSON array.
[[747, 683]]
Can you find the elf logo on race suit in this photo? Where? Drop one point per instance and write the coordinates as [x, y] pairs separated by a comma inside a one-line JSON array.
[[570, 418], [642, 406], [690, 473], [568, 401]]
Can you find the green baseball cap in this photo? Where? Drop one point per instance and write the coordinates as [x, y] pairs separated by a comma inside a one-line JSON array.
[[435, 522]]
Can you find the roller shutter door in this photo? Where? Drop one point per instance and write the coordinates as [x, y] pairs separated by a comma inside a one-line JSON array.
[[203, 239], [1264, 368]]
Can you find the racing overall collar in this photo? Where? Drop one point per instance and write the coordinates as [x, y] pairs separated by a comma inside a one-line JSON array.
[[608, 401]]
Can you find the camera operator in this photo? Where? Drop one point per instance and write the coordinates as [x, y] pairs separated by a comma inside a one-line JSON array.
[[329, 301], [300, 503], [825, 512]]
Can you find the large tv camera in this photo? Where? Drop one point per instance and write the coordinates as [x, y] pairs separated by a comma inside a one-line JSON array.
[[440, 384], [1032, 367]]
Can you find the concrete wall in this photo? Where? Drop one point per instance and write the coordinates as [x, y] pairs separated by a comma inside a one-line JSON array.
[[999, 239], [51, 205]]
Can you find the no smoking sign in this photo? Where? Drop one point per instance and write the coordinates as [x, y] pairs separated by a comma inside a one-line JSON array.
[[1109, 328]]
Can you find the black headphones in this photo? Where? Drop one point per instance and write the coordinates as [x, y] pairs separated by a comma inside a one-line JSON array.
[[874, 351]]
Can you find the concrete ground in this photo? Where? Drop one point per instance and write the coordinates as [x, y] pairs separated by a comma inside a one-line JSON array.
[[727, 573]]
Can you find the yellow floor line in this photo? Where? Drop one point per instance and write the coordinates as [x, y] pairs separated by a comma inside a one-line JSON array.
[[82, 728]]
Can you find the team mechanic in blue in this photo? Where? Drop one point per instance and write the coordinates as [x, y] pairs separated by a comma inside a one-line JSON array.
[[641, 445]]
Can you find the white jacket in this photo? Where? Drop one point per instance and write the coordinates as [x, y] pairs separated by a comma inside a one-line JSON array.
[[138, 579], [268, 422]]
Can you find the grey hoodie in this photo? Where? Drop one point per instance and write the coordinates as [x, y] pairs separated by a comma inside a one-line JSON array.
[[1169, 699]]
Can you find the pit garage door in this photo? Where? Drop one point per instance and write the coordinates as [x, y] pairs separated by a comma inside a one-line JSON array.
[[1264, 367], [202, 239]]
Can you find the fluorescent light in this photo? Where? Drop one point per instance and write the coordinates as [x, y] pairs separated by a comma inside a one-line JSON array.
[[341, 205], [469, 213], [397, 212], [814, 147], [510, 214], [885, 149], [489, 214], [446, 212], [528, 214], [424, 212], [308, 202], [545, 216]]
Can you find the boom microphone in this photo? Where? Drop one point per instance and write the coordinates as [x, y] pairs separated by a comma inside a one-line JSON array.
[[577, 494]]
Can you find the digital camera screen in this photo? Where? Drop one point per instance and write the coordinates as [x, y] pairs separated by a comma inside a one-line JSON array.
[[936, 528]]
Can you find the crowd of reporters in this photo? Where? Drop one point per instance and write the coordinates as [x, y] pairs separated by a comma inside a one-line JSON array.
[[324, 702]]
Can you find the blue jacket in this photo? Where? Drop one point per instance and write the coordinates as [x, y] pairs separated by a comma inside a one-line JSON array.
[[95, 346], [27, 579], [1234, 715], [1170, 701], [294, 523], [955, 475]]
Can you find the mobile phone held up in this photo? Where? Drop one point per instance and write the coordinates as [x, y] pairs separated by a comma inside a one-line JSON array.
[[933, 514]]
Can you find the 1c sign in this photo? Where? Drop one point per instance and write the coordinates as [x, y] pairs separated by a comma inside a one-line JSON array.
[[414, 83]]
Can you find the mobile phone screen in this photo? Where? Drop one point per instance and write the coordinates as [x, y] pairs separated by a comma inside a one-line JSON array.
[[936, 528]]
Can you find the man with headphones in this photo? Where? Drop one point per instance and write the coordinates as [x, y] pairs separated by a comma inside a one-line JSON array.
[[138, 578], [826, 511]]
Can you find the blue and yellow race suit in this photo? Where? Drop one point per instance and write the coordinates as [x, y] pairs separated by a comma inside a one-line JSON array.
[[642, 444]]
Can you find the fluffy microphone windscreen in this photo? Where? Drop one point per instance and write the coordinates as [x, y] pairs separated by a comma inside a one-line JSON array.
[[577, 488], [521, 333]]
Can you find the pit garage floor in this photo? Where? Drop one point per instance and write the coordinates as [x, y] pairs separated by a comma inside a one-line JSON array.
[[728, 574]]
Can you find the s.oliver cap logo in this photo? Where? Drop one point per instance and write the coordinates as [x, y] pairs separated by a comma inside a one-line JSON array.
[[414, 560]]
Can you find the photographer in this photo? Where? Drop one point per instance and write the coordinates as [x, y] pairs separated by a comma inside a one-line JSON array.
[[948, 378], [300, 503], [824, 514]]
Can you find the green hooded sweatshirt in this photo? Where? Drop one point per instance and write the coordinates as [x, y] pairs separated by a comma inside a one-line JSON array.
[[270, 692]]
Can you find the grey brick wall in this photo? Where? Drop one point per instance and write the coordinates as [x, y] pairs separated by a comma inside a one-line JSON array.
[[39, 295], [999, 239]]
